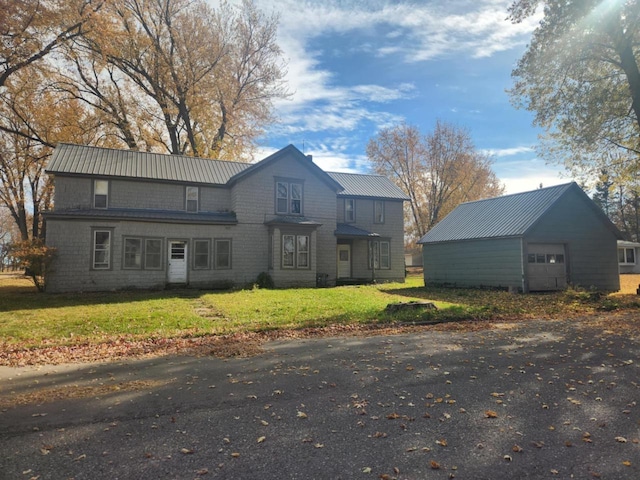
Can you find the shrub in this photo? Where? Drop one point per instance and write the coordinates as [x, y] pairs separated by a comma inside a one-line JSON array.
[[36, 258], [264, 280]]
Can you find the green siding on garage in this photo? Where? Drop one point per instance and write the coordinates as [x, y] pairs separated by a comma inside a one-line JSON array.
[[591, 243], [489, 263]]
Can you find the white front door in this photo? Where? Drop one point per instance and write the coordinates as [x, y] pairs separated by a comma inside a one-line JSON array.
[[178, 262], [344, 261]]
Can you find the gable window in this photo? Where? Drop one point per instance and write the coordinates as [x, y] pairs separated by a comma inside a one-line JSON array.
[[378, 211], [289, 198], [295, 251], [223, 253], [349, 210], [153, 253], [132, 257], [627, 256], [379, 255], [101, 249], [100, 193], [201, 250], [192, 199]]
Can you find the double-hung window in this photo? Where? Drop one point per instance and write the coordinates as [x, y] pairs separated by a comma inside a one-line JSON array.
[[378, 211], [379, 255], [295, 251], [101, 249], [100, 193], [223, 253], [289, 198], [201, 249], [132, 253], [191, 201], [349, 210], [153, 254]]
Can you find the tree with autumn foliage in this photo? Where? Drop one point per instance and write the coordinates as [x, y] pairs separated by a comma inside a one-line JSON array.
[[36, 258], [437, 171]]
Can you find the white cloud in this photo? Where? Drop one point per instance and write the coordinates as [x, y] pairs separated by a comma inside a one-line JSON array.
[[524, 175], [508, 152]]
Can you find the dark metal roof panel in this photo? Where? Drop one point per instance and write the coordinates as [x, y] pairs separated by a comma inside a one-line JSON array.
[[361, 185], [347, 230], [506, 216], [84, 160], [146, 215]]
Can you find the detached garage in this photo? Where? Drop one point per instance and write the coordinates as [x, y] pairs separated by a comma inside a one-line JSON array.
[[532, 241]]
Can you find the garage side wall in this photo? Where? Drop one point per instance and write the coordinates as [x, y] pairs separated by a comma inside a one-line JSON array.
[[478, 263], [591, 245]]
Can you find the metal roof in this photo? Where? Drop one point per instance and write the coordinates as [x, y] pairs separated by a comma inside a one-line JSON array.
[[361, 185], [108, 162], [84, 160], [346, 230], [147, 215], [506, 216]]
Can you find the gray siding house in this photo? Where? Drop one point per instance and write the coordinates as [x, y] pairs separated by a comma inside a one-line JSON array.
[[127, 219], [533, 241], [628, 256]]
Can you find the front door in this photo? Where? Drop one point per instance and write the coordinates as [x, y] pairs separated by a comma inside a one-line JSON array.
[[344, 261], [546, 266], [177, 261]]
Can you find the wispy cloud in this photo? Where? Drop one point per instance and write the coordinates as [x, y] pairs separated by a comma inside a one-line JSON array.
[[508, 152]]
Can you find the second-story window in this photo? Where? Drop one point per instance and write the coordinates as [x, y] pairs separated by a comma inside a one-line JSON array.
[[289, 198], [100, 193], [192, 199], [349, 210], [378, 211]]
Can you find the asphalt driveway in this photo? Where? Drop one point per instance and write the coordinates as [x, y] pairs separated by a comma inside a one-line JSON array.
[[544, 399]]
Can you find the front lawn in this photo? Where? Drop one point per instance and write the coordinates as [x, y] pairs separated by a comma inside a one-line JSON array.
[[29, 319]]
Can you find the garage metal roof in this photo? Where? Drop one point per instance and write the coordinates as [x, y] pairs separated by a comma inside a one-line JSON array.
[[506, 216], [362, 185]]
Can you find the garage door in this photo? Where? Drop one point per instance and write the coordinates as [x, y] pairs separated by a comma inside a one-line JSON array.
[[546, 267]]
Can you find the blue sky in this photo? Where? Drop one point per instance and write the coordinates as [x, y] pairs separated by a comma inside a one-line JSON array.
[[356, 66]]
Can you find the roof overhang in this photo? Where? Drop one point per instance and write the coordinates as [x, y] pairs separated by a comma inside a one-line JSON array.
[[140, 215], [345, 230]]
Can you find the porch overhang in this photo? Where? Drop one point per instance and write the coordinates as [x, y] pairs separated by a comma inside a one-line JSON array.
[[344, 230]]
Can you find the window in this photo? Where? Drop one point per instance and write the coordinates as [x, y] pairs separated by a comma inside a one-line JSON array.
[[289, 198], [548, 258], [201, 250], [192, 199], [349, 210], [132, 257], [153, 254], [223, 253], [378, 211], [379, 255], [100, 193], [295, 251], [627, 256], [102, 249]]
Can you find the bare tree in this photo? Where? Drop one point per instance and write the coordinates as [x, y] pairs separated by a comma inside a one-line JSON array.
[[437, 171]]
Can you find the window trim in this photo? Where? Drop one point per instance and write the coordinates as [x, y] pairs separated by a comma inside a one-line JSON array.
[[109, 249], [124, 253], [218, 266], [195, 254], [376, 256], [626, 258], [375, 213], [289, 183], [105, 195], [146, 250], [352, 210], [187, 200], [296, 252]]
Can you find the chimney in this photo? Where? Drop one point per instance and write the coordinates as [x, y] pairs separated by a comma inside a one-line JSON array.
[[310, 158]]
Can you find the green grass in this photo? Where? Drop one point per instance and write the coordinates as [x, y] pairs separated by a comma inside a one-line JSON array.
[[29, 319]]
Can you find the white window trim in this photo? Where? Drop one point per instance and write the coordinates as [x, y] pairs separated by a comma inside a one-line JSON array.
[[296, 253], [352, 210], [187, 199], [624, 250], [375, 255], [105, 195], [289, 198], [94, 249], [375, 217]]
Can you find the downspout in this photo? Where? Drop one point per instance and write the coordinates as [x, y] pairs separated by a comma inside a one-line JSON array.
[[522, 264]]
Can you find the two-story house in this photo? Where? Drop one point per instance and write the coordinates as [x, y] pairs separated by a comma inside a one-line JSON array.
[[128, 219]]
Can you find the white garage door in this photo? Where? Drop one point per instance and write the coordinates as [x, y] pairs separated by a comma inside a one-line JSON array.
[[546, 266]]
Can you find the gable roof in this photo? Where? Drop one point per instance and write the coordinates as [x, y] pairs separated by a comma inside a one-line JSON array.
[[370, 186], [506, 216], [293, 151], [71, 159]]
